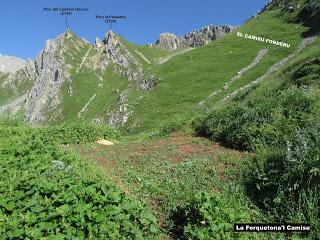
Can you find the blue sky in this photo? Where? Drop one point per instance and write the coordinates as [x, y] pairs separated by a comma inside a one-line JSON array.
[[25, 26]]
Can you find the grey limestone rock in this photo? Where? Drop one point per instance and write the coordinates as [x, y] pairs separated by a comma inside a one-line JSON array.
[[168, 41], [98, 43], [205, 35], [196, 38], [50, 74], [117, 52], [10, 64], [120, 115]]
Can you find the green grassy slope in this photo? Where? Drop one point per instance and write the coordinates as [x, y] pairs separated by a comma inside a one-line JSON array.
[[4, 93], [192, 76], [182, 82], [104, 86], [22, 84], [279, 121]]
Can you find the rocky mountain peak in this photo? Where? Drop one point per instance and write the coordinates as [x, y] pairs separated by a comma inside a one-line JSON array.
[[111, 38], [194, 38], [205, 35], [98, 43], [50, 74], [168, 41], [112, 50]]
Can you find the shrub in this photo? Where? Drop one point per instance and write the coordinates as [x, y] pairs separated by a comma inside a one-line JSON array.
[[307, 73], [281, 126], [286, 175], [49, 193], [170, 127], [265, 120], [208, 216]]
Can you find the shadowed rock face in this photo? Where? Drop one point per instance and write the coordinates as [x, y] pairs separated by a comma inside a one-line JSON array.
[[196, 38], [10, 64], [44, 95]]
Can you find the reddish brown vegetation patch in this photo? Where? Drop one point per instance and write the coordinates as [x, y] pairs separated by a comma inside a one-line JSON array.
[[175, 148], [187, 149]]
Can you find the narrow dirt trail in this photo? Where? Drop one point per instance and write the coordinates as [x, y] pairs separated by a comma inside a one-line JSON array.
[[304, 43], [165, 59], [261, 54]]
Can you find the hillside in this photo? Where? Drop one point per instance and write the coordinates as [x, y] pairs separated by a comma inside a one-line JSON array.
[[129, 86], [115, 81], [202, 71], [72, 79], [174, 140]]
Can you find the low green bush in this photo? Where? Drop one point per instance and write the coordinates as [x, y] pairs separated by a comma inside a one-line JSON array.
[[79, 133], [169, 127], [287, 181], [281, 126], [48, 193], [268, 120], [308, 72], [209, 216]]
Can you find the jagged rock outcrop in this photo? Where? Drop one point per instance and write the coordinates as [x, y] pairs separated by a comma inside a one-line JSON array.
[[120, 115], [195, 38], [10, 64], [117, 52], [98, 43], [168, 41], [114, 51], [286, 5], [50, 74], [205, 35]]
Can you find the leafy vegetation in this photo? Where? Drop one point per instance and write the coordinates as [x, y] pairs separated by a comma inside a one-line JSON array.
[[308, 73], [162, 185], [49, 193], [279, 121], [166, 128], [210, 216]]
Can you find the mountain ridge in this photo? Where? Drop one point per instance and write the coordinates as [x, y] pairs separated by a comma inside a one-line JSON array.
[[125, 85], [50, 71], [195, 38]]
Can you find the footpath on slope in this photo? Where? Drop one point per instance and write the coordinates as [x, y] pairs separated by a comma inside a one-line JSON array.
[[165, 59], [304, 43], [261, 54]]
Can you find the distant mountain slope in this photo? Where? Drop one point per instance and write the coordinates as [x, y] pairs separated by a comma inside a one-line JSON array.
[[11, 64], [72, 79], [137, 88], [188, 79]]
